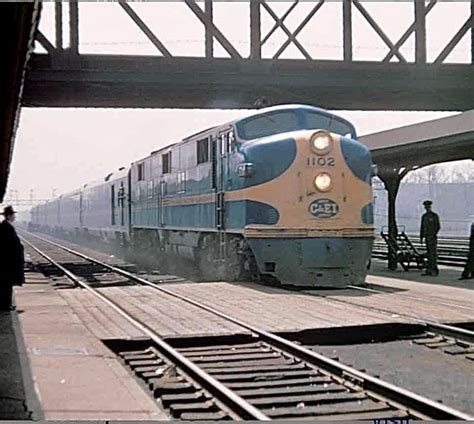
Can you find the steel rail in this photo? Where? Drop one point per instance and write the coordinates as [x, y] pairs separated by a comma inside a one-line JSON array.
[[401, 397], [450, 330], [229, 398], [409, 296]]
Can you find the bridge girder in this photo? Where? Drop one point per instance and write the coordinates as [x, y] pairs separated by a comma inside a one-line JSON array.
[[158, 82]]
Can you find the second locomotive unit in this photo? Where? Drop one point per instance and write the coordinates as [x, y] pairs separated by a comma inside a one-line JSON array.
[[284, 193]]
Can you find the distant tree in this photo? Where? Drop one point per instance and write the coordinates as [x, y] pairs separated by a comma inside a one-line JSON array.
[[457, 172], [428, 175]]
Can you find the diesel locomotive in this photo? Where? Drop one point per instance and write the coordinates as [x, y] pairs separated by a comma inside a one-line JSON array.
[[284, 193]]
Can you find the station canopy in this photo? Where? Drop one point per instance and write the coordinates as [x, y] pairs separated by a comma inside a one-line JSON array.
[[427, 143]]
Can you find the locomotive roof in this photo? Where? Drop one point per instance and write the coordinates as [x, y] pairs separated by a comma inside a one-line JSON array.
[[121, 173], [292, 107], [250, 115], [69, 193]]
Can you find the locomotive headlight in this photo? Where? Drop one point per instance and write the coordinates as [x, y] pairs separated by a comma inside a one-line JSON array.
[[323, 182], [321, 142]]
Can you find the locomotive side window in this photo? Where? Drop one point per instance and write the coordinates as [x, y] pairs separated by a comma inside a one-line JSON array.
[[181, 182], [141, 171], [150, 189], [121, 201], [214, 161], [166, 162], [202, 150], [231, 142], [227, 142], [223, 144]]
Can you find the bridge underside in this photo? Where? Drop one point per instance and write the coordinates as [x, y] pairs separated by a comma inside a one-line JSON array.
[[158, 82], [17, 24]]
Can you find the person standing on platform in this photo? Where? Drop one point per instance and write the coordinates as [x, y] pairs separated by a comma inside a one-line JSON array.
[[11, 260], [429, 232], [468, 271]]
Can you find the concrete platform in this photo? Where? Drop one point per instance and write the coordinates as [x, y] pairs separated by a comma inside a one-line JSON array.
[[13, 369], [431, 292], [75, 375], [448, 275]]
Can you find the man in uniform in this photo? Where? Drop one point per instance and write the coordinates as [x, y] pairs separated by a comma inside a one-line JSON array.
[[429, 232], [468, 271], [11, 260]]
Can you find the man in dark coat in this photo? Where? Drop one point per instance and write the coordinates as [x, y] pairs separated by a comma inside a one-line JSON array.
[[429, 232], [11, 260], [468, 271]]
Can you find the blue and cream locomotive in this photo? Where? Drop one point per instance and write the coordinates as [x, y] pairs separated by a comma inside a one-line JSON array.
[[284, 193]]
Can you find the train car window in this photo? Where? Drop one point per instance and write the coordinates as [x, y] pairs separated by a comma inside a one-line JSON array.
[[181, 182], [138, 192], [202, 150], [121, 195], [268, 124], [166, 162], [141, 171], [121, 200], [112, 199]]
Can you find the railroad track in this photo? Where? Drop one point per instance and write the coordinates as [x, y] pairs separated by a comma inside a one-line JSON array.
[[450, 339], [436, 332], [264, 378], [370, 288]]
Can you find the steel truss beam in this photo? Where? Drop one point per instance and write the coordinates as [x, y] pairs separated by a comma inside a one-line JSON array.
[[173, 81], [418, 27]]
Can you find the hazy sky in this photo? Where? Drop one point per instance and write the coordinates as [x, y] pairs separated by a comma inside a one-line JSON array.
[[63, 148]]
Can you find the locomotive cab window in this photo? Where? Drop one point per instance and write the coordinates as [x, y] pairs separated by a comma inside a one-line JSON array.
[[202, 150], [268, 124], [141, 171], [330, 123], [166, 162]]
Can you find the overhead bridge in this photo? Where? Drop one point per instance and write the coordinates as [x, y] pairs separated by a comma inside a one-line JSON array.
[[156, 82], [65, 77]]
